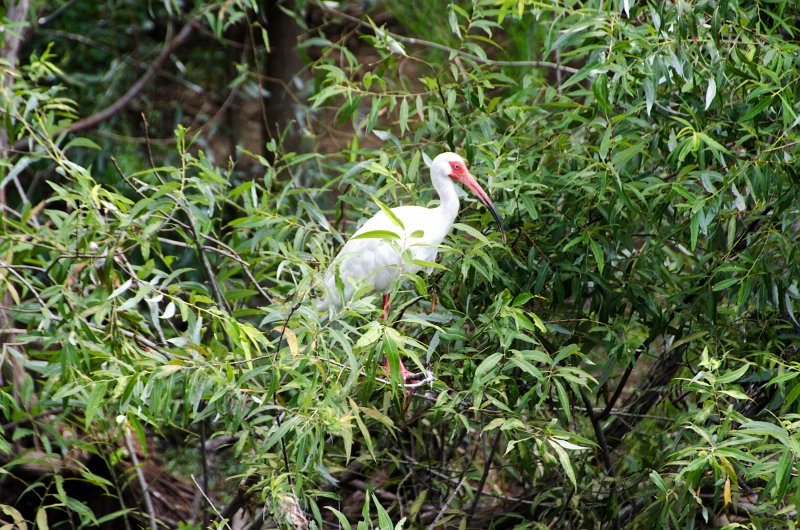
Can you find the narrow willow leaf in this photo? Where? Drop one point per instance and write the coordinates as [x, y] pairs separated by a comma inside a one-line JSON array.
[[453, 21], [169, 311], [290, 338], [403, 116], [649, 94], [389, 213], [343, 522], [363, 428], [566, 463], [599, 257], [386, 235], [384, 521], [658, 481], [569, 445], [711, 91], [425, 264], [783, 472], [487, 365], [726, 495], [121, 289], [41, 519], [694, 228], [563, 399]]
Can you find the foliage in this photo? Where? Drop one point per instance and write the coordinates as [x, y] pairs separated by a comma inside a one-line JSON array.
[[626, 359]]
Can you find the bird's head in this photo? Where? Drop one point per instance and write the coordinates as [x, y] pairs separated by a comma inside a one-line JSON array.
[[453, 166]]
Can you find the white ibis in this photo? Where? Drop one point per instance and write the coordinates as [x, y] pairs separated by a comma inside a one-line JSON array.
[[373, 257]]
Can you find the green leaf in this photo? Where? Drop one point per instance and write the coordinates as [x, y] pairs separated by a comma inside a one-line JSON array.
[[403, 115], [41, 518], [384, 521], [521, 363], [425, 264], [363, 428], [783, 471], [711, 91], [343, 522], [121, 289], [563, 399], [487, 365], [385, 235], [390, 214], [730, 377], [471, 231], [598, 254], [371, 336], [658, 481], [724, 284], [566, 464]]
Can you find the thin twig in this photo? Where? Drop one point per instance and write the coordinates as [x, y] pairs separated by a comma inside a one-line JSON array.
[[27, 284], [46, 19], [148, 501], [598, 430], [233, 256], [618, 391], [224, 520], [275, 395], [486, 467], [204, 467], [446, 504]]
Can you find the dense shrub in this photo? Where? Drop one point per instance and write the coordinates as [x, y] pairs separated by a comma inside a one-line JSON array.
[[625, 359]]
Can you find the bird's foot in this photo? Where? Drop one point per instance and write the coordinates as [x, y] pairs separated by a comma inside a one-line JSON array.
[[404, 373]]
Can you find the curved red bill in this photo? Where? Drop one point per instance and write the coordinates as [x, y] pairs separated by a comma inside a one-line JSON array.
[[469, 181]]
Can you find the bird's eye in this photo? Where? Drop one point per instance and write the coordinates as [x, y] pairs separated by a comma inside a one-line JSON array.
[[456, 166]]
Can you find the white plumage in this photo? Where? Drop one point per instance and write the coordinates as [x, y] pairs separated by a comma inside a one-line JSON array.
[[376, 262]]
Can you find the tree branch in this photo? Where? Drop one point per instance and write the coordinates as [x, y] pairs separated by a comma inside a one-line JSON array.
[[101, 116], [148, 501], [598, 431], [137, 87], [484, 476]]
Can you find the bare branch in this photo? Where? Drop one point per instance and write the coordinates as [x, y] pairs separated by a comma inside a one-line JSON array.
[[148, 501], [598, 430], [225, 521], [46, 19], [447, 504], [486, 467], [137, 87], [101, 116]]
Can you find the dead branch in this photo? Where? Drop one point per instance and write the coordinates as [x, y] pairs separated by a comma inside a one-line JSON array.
[[99, 117]]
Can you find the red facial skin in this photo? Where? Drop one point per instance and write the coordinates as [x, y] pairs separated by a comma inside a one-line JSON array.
[[460, 173]]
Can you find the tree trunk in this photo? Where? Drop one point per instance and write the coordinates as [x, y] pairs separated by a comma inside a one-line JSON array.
[[283, 64]]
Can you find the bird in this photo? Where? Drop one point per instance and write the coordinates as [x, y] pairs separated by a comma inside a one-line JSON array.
[[374, 256]]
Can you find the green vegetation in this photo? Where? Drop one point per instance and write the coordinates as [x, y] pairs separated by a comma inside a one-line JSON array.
[[626, 360]]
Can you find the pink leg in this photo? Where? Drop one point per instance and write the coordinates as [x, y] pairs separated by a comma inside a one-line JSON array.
[[403, 372], [386, 306]]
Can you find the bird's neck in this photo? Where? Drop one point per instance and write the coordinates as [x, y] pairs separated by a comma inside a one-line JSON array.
[[448, 199]]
